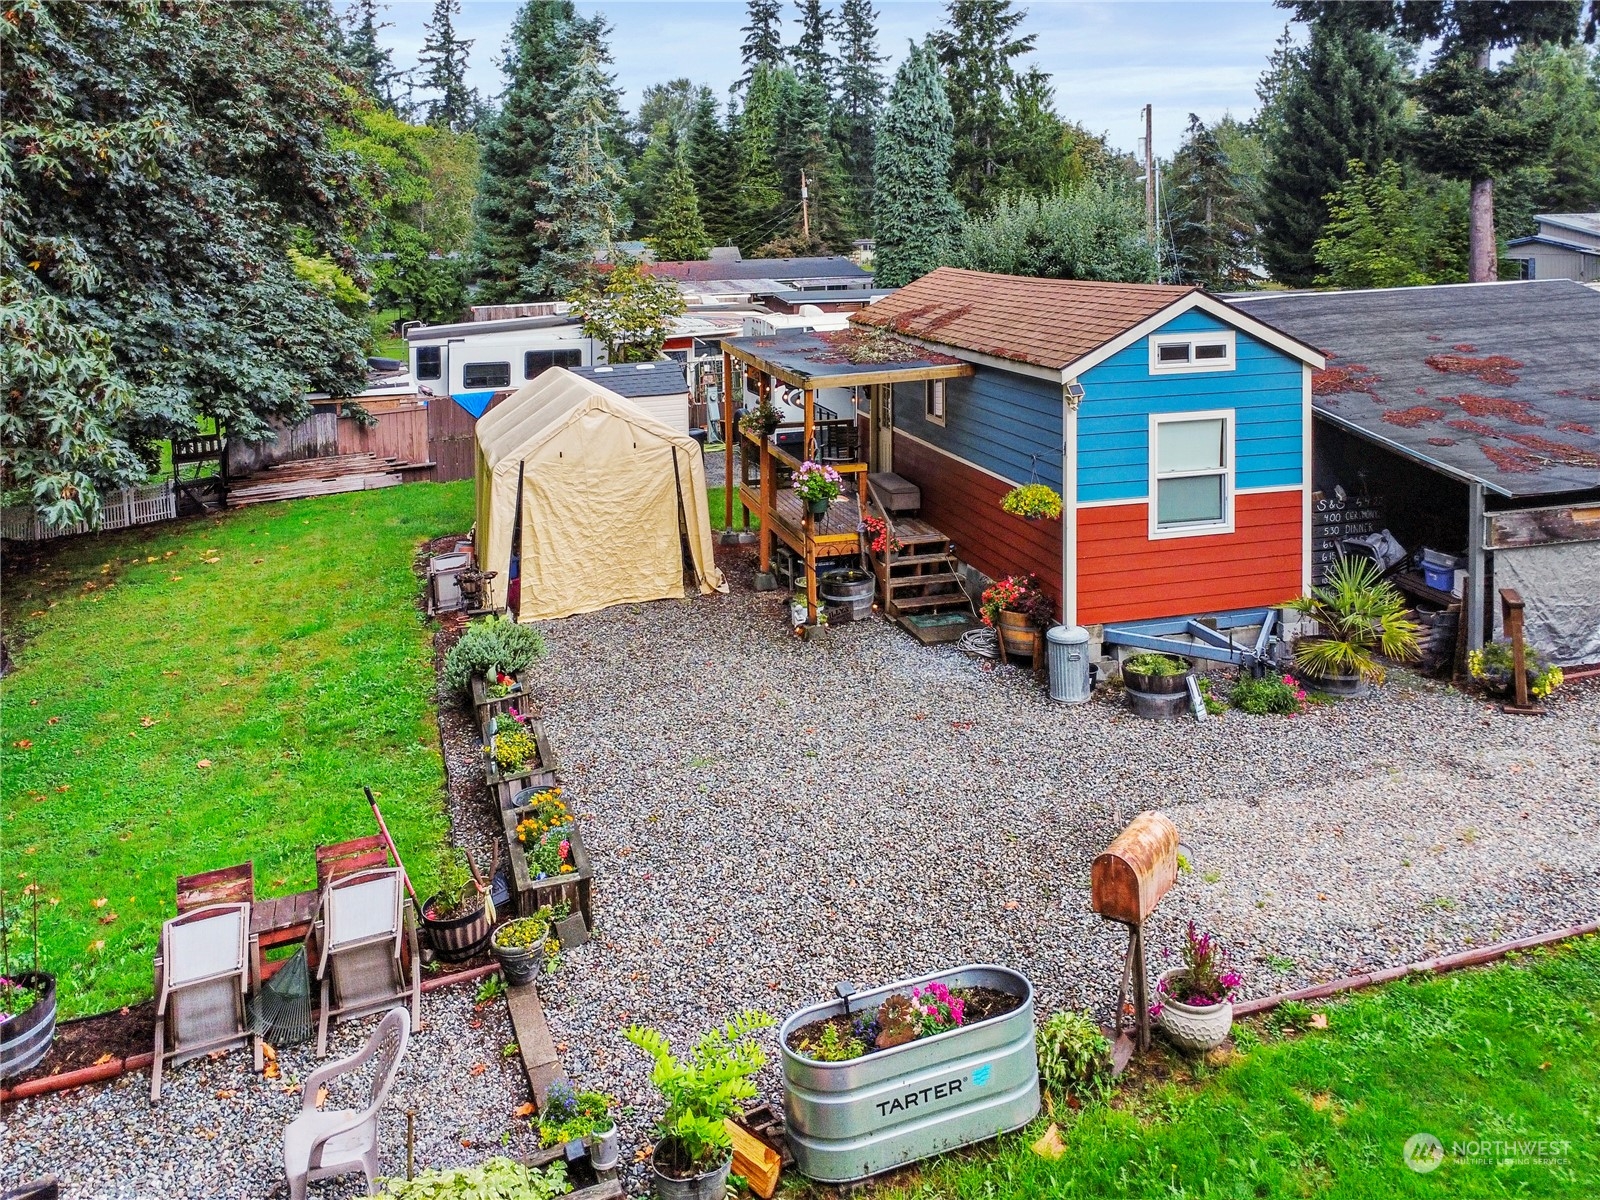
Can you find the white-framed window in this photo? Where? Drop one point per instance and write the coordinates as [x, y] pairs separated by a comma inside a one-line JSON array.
[[1173, 353], [933, 401], [1191, 473]]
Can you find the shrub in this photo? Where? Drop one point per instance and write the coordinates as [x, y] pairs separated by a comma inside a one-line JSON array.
[[497, 642], [1151, 663], [1074, 1057], [1494, 667], [1361, 615], [494, 1179], [1269, 695]]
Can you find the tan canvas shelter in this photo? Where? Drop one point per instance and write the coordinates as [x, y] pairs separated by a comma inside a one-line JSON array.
[[608, 495]]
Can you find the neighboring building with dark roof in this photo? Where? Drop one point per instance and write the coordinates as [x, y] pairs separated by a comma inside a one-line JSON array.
[[659, 387], [1468, 415], [1566, 246], [1175, 427]]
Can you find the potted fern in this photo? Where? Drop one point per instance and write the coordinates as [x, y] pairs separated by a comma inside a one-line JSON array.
[[1359, 615], [695, 1150]]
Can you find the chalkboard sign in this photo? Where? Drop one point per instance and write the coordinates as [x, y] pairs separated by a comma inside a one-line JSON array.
[[1333, 520]]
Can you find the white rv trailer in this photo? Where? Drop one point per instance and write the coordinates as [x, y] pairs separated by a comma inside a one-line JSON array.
[[473, 360]]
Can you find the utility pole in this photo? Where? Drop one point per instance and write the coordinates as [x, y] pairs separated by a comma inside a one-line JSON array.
[[1149, 179], [805, 208]]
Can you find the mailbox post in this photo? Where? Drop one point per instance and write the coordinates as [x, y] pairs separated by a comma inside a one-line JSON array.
[[1125, 884]]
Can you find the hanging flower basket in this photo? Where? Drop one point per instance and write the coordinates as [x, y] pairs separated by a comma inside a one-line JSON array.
[[1032, 502]]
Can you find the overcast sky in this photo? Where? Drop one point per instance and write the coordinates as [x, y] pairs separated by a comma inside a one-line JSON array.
[[1107, 59]]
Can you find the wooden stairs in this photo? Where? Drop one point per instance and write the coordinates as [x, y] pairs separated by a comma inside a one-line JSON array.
[[919, 583]]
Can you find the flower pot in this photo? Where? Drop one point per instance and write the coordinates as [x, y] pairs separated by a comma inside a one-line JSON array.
[[1019, 634], [848, 589], [1348, 686], [818, 508], [1190, 1027], [26, 1038], [708, 1185], [1155, 685], [605, 1147], [455, 939], [518, 964]]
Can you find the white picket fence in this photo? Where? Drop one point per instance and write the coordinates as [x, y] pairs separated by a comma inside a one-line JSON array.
[[131, 506]]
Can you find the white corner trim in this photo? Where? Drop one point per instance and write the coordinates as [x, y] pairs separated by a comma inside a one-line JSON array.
[[1069, 511], [1305, 480], [1228, 472], [1226, 313]]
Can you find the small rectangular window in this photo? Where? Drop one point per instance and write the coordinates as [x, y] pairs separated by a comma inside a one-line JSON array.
[[1191, 473], [486, 375], [430, 362], [933, 401], [1173, 352], [1211, 350]]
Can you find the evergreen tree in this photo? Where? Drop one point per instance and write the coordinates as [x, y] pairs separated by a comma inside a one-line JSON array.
[[805, 152], [976, 53], [371, 62], [1339, 100], [1472, 126], [649, 174], [444, 57], [810, 54], [1563, 81], [673, 102], [763, 37], [581, 208], [515, 151], [678, 233], [1208, 214], [860, 98], [1036, 147], [761, 213], [914, 213], [714, 168]]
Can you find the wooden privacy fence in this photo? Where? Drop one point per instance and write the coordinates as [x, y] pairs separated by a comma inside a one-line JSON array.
[[131, 506], [401, 432]]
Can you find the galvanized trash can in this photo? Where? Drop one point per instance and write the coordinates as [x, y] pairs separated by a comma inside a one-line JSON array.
[[849, 1120], [1069, 663]]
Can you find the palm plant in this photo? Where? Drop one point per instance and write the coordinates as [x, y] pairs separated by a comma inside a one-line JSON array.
[[704, 1089], [1361, 615]]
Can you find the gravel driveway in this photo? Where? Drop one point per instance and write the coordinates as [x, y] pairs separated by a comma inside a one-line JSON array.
[[768, 817]]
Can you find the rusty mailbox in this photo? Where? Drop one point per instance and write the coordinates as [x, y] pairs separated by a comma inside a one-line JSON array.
[[1125, 884], [1136, 870]]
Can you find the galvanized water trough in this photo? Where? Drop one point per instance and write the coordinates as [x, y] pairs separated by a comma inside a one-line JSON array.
[[849, 1120]]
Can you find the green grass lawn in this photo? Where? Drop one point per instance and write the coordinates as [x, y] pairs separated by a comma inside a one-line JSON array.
[[1506, 1054], [190, 695], [717, 497]]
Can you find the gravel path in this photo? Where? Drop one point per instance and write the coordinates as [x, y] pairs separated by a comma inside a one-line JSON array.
[[768, 817]]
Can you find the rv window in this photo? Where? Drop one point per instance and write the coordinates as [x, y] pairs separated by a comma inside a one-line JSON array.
[[536, 362], [486, 375], [430, 362]]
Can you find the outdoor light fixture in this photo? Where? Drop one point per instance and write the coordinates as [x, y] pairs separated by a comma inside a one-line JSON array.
[[845, 991], [1073, 393]]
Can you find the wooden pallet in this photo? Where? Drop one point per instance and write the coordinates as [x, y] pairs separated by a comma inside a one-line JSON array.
[[325, 476]]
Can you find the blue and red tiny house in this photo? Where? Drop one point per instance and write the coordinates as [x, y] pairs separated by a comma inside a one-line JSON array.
[[1186, 483]]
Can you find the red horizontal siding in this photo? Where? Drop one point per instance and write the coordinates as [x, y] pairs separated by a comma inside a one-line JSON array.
[[964, 504], [1123, 575]]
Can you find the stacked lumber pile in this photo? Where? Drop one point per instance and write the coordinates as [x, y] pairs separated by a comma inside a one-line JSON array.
[[314, 477]]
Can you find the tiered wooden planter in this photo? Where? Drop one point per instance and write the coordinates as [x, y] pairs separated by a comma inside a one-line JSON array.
[[487, 706], [529, 895], [541, 774]]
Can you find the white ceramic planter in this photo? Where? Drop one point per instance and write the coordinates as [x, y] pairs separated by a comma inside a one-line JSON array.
[[1192, 1028]]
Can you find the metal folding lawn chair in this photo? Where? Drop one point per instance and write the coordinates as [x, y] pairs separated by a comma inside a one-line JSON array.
[[205, 972]]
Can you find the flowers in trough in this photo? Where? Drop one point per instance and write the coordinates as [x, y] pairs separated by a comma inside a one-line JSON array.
[[545, 832], [817, 482], [514, 747], [1493, 667], [938, 1009]]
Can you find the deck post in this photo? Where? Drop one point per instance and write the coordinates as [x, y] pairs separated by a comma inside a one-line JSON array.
[[1477, 585], [764, 513], [729, 432], [808, 399]]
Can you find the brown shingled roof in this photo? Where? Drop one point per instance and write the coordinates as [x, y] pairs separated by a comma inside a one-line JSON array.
[[1047, 322]]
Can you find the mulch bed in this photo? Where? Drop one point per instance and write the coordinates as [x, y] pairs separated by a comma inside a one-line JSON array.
[[104, 1037]]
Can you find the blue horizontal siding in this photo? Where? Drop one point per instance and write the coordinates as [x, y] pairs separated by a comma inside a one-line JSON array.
[[1263, 389], [994, 419]]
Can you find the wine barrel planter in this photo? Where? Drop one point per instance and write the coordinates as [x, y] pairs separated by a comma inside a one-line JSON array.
[[1348, 687], [1020, 635], [456, 939], [26, 1038], [848, 589], [528, 894], [854, 1119], [1155, 685]]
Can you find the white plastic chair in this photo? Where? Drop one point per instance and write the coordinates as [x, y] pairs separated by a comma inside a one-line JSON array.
[[319, 1145], [204, 971], [367, 925]]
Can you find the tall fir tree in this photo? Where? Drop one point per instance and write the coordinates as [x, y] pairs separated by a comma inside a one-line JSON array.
[[1339, 100], [679, 234], [1208, 214], [810, 53], [454, 105], [860, 101], [713, 165], [1035, 150], [371, 62], [763, 37], [914, 213], [581, 208], [649, 173], [808, 162], [762, 213], [976, 52], [515, 151]]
